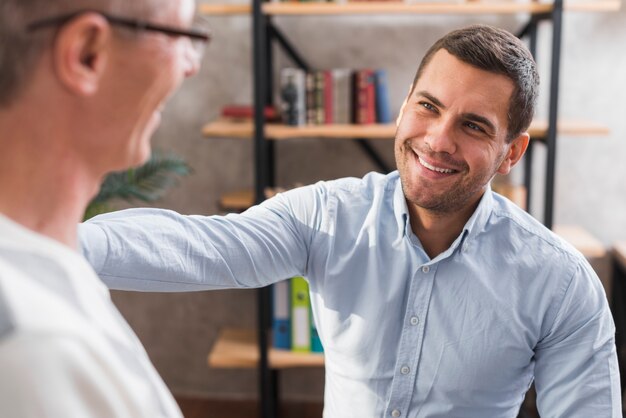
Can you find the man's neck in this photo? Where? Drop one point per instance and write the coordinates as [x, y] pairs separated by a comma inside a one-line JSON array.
[[43, 185], [437, 231]]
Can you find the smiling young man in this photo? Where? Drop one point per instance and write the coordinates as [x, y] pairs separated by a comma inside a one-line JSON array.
[[432, 295], [452, 138], [82, 83]]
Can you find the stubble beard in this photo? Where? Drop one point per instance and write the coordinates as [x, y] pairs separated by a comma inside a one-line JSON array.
[[457, 197]]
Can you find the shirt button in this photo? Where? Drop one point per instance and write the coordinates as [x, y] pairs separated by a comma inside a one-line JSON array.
[[405, 370], [395, 413], [414, 320], [425, 269]]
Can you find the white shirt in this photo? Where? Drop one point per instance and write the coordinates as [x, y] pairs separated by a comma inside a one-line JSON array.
[[65, 350]]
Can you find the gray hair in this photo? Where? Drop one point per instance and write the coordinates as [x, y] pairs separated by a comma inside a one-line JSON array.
[[20, 50], [497, 51]]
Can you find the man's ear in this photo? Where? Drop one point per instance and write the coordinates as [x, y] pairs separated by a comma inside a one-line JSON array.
[[516, 149], [80, 53], [406, 99]]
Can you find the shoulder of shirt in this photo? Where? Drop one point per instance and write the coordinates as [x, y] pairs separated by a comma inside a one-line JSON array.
[[37, 304], [506, 212], [369, 185]]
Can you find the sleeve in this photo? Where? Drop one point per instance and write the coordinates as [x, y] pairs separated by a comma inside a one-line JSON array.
[[576, 371], [160, 250], [55, 377]]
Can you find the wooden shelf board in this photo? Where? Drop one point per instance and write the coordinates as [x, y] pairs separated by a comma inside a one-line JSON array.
[[593, 6], [224, 9], [237, 200], [224, 128], [459, 8], [582, 240], [237, 348], [450, 7]]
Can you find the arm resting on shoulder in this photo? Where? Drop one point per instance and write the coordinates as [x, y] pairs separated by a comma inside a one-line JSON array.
[[161, 250]]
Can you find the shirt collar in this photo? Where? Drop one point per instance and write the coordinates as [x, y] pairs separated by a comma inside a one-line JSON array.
[[400, 208], [474, 225]]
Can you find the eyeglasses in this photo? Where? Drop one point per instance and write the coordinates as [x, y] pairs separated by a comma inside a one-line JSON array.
[[199, 34]]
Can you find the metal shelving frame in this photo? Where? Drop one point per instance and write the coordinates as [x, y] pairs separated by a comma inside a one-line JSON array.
[[263, 34]]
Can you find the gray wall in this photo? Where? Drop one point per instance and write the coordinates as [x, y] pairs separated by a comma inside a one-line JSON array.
[[179, 329]]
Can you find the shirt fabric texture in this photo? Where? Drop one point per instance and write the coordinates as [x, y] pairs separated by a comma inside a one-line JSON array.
[[460, 335], [65, 350]]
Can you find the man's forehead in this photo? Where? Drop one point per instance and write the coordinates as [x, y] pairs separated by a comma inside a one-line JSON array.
[[447, 73]]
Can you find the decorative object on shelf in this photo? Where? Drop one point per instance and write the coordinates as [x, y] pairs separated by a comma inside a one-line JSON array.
[[146, 183], [246, 112], [292, 95]]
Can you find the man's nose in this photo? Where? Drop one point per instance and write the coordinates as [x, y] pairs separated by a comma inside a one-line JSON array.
[[440, 138]]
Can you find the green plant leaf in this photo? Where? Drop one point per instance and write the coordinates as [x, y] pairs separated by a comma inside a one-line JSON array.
[[146, 183]]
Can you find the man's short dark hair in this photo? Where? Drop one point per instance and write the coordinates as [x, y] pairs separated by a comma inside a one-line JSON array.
[[497, 51]]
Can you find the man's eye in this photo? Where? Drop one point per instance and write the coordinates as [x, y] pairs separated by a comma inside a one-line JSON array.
[[474, 127], [427, 106]]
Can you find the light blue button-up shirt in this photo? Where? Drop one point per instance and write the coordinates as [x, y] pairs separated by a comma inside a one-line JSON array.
[[460, 335]]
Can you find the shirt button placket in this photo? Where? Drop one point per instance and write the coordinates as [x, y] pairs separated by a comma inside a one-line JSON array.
[[395, 413]]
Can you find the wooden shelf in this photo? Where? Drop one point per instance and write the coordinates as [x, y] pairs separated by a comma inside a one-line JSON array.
[[582, 240], [457, 8], [441, 8], [238, 348], [224, 9], [225, 128], [239, 200]]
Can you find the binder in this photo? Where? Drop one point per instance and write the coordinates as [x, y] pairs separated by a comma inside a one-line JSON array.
[[280, 315], [316, 343], [300, 315]]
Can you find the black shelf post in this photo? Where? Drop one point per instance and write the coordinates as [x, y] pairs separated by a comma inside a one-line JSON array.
[[267, 399], [557, 23], [531, 31]]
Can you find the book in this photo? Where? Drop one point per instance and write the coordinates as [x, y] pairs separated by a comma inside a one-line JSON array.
[[364, 97], [383, 108], [320, 97], [342, 95], [300, 315], [281, 327], [311, 113], [316, 342], [328, 98]]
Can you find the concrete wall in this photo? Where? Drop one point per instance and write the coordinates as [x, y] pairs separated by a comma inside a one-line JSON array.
[[179, 329]]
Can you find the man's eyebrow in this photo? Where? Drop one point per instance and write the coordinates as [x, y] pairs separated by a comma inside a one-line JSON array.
[[430, 97]]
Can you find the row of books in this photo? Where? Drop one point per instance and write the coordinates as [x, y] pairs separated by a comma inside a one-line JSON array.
[[293, 327], [338, 96], [338, 1]]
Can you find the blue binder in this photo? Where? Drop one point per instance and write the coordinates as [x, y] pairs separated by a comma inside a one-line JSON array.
[[280, 318], [383, 108]]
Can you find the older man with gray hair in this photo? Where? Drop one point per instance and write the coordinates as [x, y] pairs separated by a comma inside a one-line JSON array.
[[82, 84]]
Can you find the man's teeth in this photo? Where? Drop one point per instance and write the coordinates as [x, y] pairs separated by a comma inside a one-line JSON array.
[[433, 168]]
